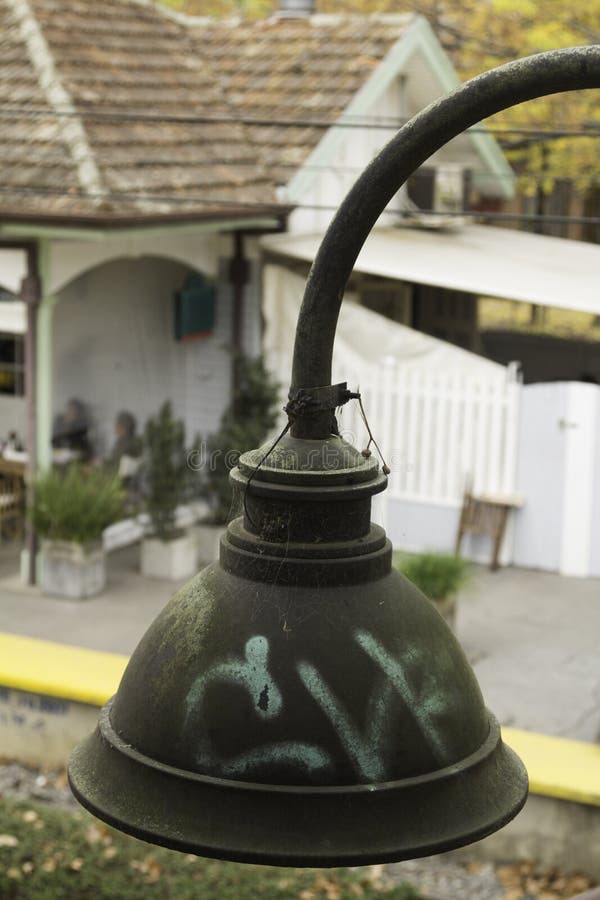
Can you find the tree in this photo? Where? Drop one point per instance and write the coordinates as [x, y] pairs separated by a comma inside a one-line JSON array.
[[245, 425], [165, 471]]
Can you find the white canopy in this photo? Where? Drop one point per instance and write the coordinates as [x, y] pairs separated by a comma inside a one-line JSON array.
[[364, 339], [480, 259]]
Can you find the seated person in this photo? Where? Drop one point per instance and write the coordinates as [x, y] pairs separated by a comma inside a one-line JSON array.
[[126, 453], [71, 430]]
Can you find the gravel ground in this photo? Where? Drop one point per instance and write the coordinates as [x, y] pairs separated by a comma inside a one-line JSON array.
[[29, 784], [437, 878]]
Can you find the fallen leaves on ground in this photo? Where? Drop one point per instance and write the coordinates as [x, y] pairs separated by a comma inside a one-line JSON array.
[[525, 880]]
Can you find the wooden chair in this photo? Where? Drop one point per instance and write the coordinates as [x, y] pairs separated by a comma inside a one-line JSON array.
[[486, 514], [12, 506]]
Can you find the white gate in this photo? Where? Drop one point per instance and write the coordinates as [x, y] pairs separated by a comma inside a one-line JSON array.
[[438, 432]]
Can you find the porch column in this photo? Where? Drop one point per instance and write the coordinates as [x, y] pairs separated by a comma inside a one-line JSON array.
[[44, 381]]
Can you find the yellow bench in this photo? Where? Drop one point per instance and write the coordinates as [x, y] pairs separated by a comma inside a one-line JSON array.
[[568, 770]]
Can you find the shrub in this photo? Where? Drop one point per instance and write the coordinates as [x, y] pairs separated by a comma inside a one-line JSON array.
[[76, 505], [438, 575], [245, 425], [165, 471]]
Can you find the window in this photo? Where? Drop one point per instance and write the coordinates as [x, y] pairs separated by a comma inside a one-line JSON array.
[[12, 364]]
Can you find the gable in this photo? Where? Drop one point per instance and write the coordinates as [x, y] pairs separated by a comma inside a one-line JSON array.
[[415, 72]]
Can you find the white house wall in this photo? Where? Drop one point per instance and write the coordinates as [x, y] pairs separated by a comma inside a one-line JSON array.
[[71, 258], [331, 181], [13, 415], [13, 269], [114, 348]]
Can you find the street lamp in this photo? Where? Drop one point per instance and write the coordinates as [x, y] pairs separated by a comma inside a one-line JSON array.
[[299, 702]]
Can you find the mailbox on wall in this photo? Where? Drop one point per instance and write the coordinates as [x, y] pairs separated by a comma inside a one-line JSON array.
[[195, 308]]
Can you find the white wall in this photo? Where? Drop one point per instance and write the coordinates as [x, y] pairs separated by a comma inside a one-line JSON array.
[[558, 478], [13, 416], [327, 187], [540, 476], [114, 348], [595, 529], [339, 159]]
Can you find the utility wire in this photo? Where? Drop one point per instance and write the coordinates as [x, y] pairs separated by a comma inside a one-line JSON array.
[[206, 201], [49, 160], [364, 123]]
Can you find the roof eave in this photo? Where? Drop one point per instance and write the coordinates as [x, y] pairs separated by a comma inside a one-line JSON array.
[[221, 220]]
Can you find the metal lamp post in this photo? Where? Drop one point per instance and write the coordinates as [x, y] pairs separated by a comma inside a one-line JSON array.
[[299, 702]]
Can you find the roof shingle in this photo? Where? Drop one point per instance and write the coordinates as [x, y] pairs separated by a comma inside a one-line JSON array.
[[121, 109]]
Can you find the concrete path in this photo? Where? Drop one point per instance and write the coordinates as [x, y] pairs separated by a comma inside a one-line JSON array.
[[533, 637], [534, 641]]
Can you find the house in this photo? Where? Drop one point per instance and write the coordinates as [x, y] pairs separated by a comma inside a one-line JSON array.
[[116, 189], [143, 147]]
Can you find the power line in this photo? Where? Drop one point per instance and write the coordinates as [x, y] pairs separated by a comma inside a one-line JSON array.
[[363, 123], [48, 161], [239, 204]]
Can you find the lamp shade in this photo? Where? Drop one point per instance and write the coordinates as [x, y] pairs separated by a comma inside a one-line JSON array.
[[300, 702]]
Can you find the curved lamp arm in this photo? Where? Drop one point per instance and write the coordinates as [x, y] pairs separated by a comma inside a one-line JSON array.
[[525, 79]]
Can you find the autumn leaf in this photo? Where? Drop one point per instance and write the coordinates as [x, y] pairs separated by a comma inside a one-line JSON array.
[[153, 871], [8, 840]]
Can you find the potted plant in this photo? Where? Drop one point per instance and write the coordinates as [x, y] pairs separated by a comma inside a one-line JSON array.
[[167, 551], [439, 576], [70, 510], [245, 424]]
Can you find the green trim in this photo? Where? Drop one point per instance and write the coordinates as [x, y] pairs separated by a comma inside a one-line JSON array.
[[44, 363], [100, 234], [419, 36]]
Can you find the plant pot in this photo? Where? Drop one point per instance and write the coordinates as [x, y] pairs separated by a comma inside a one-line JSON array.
[[172, 560], [208, 539], [447, 609], [74, 571]]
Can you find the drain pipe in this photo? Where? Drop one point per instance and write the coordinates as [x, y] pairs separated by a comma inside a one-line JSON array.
[[238, 277], [31, 295]]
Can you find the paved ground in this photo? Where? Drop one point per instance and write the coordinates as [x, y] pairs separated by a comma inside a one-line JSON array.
[[532, 637]]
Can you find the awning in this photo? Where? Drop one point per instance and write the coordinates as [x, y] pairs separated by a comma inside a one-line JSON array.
[[479, 259], [363, 340]]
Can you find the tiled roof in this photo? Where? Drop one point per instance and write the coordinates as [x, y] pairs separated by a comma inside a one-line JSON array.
[[305, 70], [119, 108]]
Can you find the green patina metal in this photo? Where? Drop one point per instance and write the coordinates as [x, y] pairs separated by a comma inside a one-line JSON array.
[[315, 708]]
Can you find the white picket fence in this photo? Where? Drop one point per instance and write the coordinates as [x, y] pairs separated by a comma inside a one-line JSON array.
[[438, 432]]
